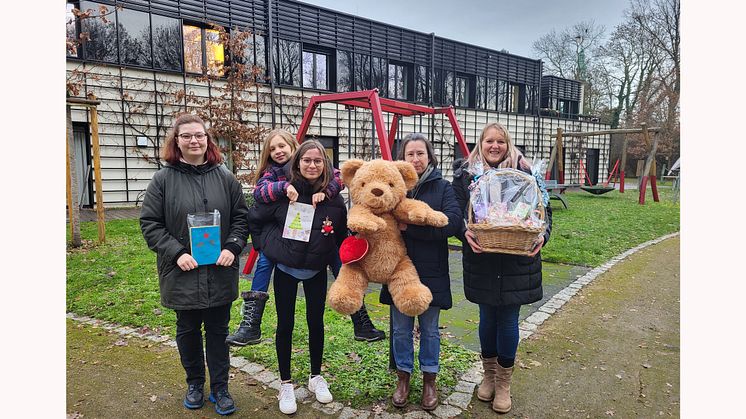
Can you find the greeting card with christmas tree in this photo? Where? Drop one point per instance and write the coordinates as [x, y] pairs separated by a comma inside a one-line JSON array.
[[298, 222]]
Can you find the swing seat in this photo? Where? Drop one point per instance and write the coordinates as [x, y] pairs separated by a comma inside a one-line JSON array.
[[597, 189]]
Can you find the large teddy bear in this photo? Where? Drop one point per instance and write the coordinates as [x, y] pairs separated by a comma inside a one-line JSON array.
[[378, 190]]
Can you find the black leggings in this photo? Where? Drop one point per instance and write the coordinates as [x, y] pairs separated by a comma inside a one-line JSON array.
[[286, 290]]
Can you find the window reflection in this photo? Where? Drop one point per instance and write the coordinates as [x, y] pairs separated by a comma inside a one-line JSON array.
[[344, 71], [134, 37], [193, 49], [72, 35], [102, 45], [378, 74], [362, 72], [420, 92], [314, 70], [166, 43], [215, 53], [287, 62]]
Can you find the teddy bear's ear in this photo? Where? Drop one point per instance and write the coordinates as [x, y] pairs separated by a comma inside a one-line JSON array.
[[407, 172], [349, 168]]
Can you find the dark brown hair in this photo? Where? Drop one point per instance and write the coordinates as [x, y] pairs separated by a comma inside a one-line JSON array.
[[170, 151], [323, 181], [416, 136]]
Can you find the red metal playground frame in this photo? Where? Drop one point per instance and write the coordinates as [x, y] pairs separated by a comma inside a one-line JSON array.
[[369, 99]]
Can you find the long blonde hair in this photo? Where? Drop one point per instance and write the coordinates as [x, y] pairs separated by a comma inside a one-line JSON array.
[[265, 159], [512, 156]]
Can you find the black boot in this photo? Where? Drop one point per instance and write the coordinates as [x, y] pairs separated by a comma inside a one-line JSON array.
[[364, 329], [249, 331]]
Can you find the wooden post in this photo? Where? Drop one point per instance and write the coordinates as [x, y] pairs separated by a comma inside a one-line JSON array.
[[653, 170], [624, 164], [648, 165], [552, 156], [72, 183], [560, 157], [100, 218]]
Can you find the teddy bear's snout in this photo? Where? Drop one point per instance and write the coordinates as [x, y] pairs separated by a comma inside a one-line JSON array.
[[376, 192]]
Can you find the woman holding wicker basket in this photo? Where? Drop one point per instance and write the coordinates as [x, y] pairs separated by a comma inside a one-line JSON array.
[[496, 276]]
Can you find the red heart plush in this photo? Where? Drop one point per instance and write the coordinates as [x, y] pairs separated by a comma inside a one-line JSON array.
[[353, 249]]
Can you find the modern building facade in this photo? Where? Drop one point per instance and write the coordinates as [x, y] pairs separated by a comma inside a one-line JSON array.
[[144, 61]]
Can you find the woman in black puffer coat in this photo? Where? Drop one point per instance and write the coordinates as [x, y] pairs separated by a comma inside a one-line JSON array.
[[498, 283], [428, 248], [192, 181]]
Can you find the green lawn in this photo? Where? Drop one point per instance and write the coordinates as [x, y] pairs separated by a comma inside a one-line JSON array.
[[118, 282]]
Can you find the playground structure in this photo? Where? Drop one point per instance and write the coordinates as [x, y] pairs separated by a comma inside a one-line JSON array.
[[369, 99], [648, 171]]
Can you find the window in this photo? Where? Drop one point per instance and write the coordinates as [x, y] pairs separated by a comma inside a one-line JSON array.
[[72, 33], [255, 55], [287, 62], [491, 94], [362, 72], [420, 84], [480, 92], [344, 71], [398, 81], [315, 70], [438, 96], [134, 38], [102, 45], [166, 43], [516, 103], [530, 97], [448, 91], [502, 96], [203, 49], [378, 75], [463, 95]]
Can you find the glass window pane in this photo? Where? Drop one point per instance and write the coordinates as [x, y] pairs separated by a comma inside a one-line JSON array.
[[288, 62], [449, 88], [379, 74], [502, 95], [308, 69], [480, 91], [392, 81], [102, 45], [491, 96], [403, 87], [134, 38], [192, 49], [362, 72], [420, 84], [438, 87], [72, 35], [344, 71], [321, 72], [215, 52], [166, 42], [260, 52]]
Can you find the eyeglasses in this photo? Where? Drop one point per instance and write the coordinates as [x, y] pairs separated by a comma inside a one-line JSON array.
[[316, 162], [188, 137]]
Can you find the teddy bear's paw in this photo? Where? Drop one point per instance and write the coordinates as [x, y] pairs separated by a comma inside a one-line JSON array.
[[345, 302], [414, 300], [438, 219], [365, 226], [417, 217]]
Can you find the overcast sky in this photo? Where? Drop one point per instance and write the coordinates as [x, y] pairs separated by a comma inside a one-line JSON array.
[[497, 24]]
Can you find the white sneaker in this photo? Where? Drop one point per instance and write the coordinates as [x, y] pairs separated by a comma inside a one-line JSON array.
[[287, 399], [320, 387]]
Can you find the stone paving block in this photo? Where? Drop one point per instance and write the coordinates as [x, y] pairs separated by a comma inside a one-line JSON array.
[[554, 303], [523, 334], [560, 297], [465, 387], [277, 384], [171, 343], [302, 393], [71, 316], [265, 376], [575, 285], [329, 408], [446, 411], [527, 326], [537, 318], [387, 415], [252, 368], [417, 414], [547, 310], [472, 376], [457, 399], [350, 413], [238, 361]]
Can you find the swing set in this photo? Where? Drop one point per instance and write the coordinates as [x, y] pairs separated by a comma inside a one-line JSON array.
[[599, 189], [369, 99]]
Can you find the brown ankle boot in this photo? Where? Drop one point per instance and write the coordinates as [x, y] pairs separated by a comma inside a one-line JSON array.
[[429, 391], [486, 390], [399, 399], [503, 376]]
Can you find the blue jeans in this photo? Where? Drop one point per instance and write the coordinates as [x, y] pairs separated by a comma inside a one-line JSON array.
[[403, 346], [498, 332], [262, 273], [265, 266]]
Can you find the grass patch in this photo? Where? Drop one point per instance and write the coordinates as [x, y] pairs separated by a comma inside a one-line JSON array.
[[118, 282], [595, 228]]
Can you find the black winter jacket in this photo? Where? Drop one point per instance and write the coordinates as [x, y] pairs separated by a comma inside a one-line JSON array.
[[495, 278], [428, 246], [268, 220], [174, 192]]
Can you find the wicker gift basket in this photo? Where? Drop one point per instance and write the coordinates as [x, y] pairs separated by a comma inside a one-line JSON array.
[[506, 211]]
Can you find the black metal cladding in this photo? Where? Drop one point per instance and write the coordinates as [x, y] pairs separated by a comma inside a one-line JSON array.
[[327, 28], [553, 87]]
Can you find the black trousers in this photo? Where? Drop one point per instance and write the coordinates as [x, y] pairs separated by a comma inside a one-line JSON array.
[[189, 341], [286, 290]]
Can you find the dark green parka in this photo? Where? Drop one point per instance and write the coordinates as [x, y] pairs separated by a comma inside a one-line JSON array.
[[178, 190]]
